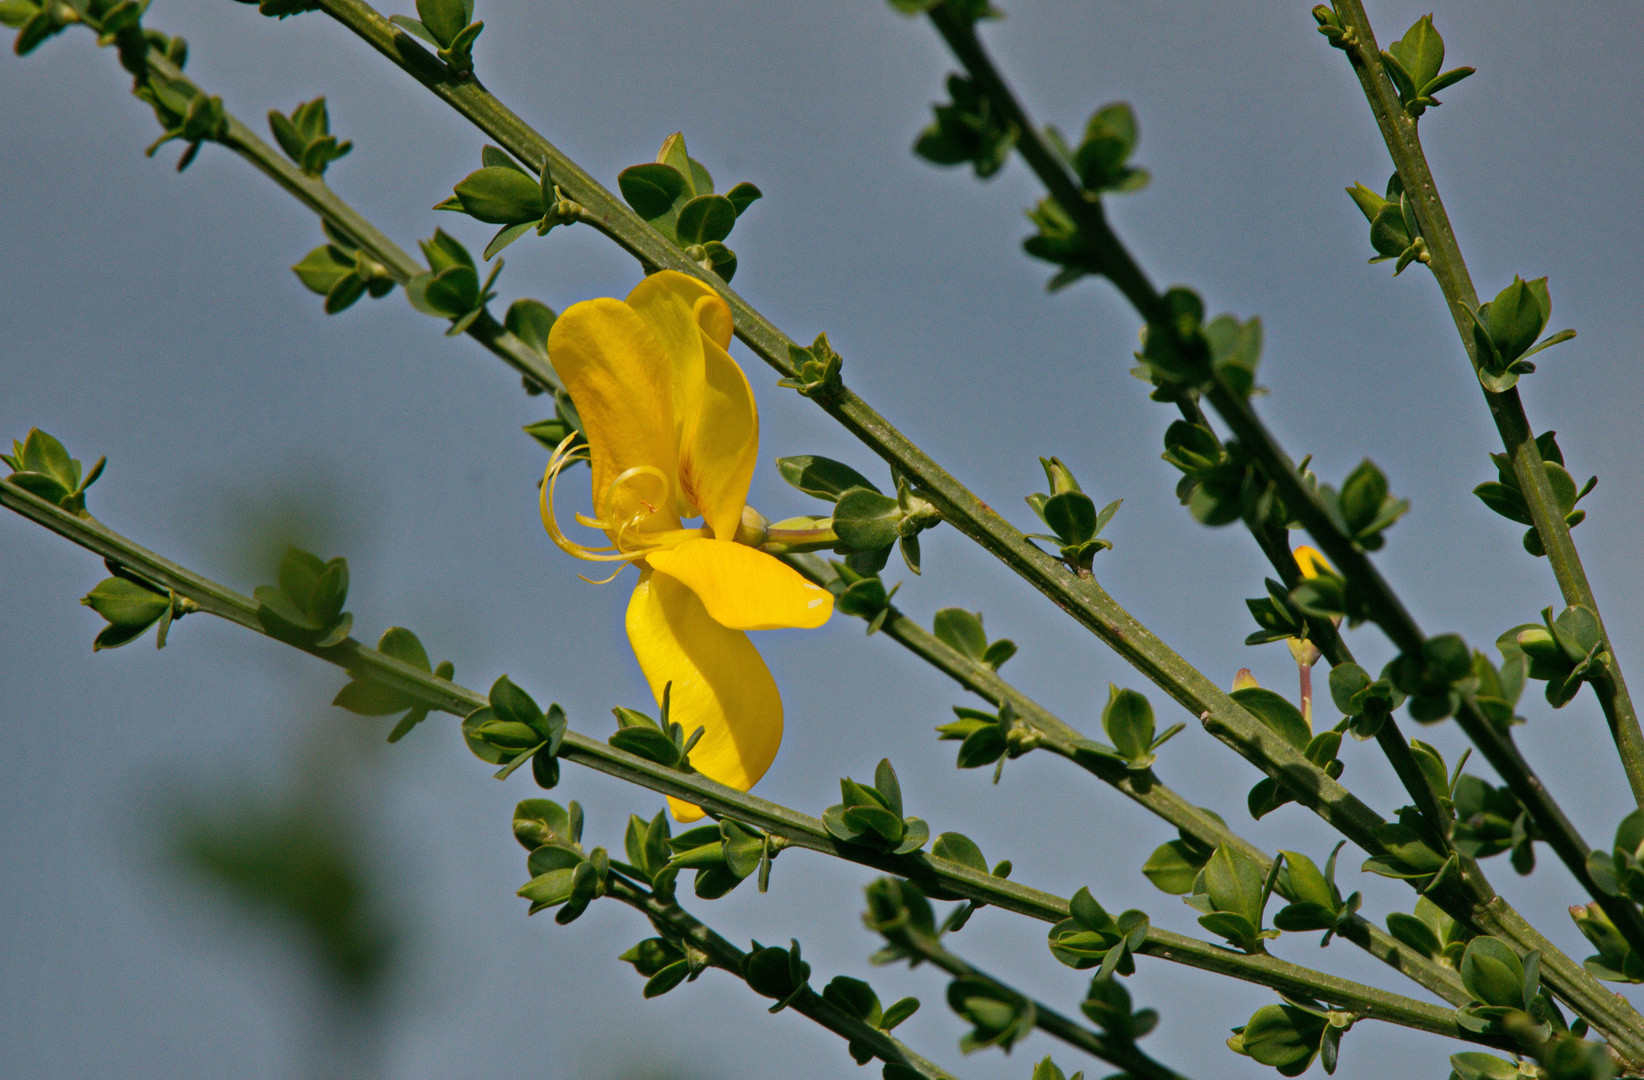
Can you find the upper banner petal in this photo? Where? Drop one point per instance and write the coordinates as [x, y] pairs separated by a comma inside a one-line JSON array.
[[742, 588], [720, 684], [720, 446], [622, 381]]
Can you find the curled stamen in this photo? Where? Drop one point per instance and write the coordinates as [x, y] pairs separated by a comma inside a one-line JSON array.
[[563, 456], [630, 540], [603, 581]]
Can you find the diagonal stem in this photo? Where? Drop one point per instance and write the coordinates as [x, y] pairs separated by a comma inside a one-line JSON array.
[[1399, 131], [676, 924], [799, 830], [1121, 1053], [1054, 734]]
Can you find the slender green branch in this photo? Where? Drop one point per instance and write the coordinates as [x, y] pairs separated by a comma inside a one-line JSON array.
[[1142, 786], [1471, 896], [314, 193], [676, 924], [1122, 1053], [1054, 734], [799, 830], [1497, 745], [1399, 131]]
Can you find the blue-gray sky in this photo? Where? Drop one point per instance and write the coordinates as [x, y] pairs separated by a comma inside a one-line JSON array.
[[151, 317]]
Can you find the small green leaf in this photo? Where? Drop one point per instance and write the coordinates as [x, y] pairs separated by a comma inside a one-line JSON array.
[[705, 218], [500, 196], [651, 189], [822, 477], [1277, 714]]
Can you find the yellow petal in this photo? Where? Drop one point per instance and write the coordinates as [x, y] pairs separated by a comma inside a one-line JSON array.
[[719, 684], [712, 314], [1312, 563], [742, 588], [664, 301], [622, 382], [721, 444], [714, 415]]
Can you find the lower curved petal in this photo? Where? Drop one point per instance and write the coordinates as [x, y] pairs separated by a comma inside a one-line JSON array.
[[743, 588], [720, 684]]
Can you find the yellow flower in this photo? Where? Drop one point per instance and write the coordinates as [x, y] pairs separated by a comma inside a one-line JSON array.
[[1312, 563], [672, 434]]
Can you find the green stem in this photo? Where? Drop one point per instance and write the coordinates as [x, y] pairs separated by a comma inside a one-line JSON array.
[[1080, 596], [1141, 786], [1122, 1053], [1388, 613], [1563, 973], [676, 924], [799, 830], [1398, 130], [314, 193], [1055, 735]]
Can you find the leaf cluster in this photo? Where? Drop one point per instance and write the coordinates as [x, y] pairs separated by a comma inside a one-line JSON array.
[[865, 522], [503, 192], [1071, 516], [966, 131], [1505, 331], [41, 466], [675, 194], [1506, 496], [1394, 231], [1091, 938], [1100, 163], [563, 875], [1563, 652], [1290, 1036], [1414, 63], [306, 606], [512, 729], [872, 816], [450, 288]]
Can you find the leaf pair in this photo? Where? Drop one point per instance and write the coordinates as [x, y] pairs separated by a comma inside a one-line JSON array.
[[341, 272], [42, 467], [368, 697], [132, 604]]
